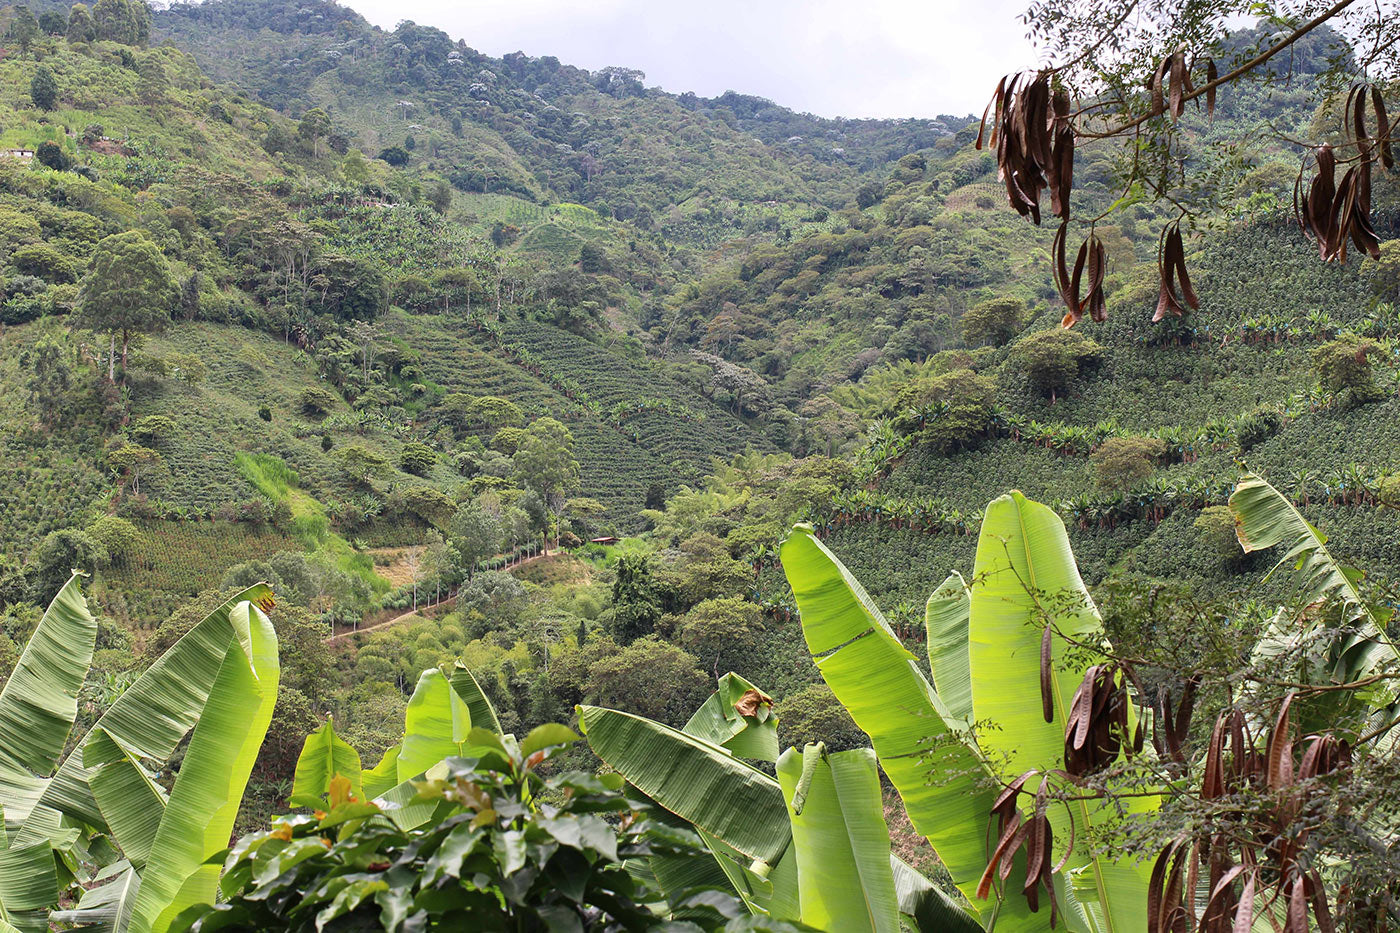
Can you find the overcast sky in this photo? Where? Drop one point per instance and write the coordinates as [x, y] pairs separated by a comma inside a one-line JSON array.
[[850, 58]]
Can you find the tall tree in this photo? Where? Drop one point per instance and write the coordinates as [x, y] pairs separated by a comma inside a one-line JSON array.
[[315, 126], [43, 89], [80, 25], [128, 291], [124, 21], [546, 462]]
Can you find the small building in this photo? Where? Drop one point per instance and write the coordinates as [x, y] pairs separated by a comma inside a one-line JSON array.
[[25, 154], [605, 540]]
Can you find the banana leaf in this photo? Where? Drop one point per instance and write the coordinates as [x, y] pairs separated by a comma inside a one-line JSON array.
[[840, 838], [1025, 578], [946, 787], [719, 720], [40, 701], [945, 618], [323, 756]]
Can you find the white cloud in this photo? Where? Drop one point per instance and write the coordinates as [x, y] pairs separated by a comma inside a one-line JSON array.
[[869, 58]]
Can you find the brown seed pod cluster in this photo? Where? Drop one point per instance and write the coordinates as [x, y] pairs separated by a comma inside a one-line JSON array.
[[1338, 214], [1169, 737], [1269, 843], [1015, 832], [1173, 73], [1096, 728], [1034, 143], [1171, 273], [1090, 266]]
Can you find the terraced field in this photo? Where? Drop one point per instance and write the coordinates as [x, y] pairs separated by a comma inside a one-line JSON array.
[[618, 460]]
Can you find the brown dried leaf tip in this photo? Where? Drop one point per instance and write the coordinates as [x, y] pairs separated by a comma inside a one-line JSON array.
[[1034, 143], [1260, 862], [1015, 832], [1090, 261], [748, 704], [1171, 273]]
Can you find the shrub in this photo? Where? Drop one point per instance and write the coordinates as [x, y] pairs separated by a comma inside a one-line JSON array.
[[508, 440], [1344, 365], [52, 155], [317, 400], [1121, 462], [1215, 531], [264, 413], [119, 538], [417, 458], [515, 852], [43, 261]]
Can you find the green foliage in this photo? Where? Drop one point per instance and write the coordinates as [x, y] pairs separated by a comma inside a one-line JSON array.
[[1123, 462], [128, 289], [1051, 359], [496, 856], [1344, 365], [43, 89], [994, 321], [417, 459]]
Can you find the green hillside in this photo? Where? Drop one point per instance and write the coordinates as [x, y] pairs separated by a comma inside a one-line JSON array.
[[507, 362]]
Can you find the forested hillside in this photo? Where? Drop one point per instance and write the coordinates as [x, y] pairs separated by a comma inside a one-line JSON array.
[[509, 363]]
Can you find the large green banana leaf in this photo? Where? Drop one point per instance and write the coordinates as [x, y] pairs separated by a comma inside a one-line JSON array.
[[1264, 518], [151, 716], [324, 755], [946, 788], [1025, 578], [441, 714], [204, 802], [840, 839], [40, 701], [945, 620], [697, 780], [465, 685], [741, 814]]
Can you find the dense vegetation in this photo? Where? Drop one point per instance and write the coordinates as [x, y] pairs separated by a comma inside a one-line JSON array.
[[504, 366]]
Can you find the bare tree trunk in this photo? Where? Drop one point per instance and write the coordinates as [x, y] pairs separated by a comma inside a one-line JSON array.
[[112, 357]]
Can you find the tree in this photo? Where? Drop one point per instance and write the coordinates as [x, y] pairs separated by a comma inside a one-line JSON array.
[[869, 194], [813, 714], [651, 678], [1052, 359], [53, 23], [50, 376], [417, 458], [124, 21], [132, 461], [1122, 462], [473, 535], [995, 321], [128, 291], [57, 555], [545, 461], [24, 29], [318, 400], [1344, 365], [315, 125], [440, 196], [396, 156], [721, 632], [80, 24], [493, 413], [43, 89], [635, 605]]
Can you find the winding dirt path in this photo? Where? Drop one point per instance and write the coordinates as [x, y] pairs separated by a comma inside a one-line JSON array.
[[430, 606]]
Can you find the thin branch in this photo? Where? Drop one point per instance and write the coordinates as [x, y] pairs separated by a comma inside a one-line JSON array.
[[1248, 66]]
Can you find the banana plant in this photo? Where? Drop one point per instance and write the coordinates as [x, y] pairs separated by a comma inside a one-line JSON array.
[[1265, 518], [1024, 627], [217, 685], [820, 866], [447, 715]]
